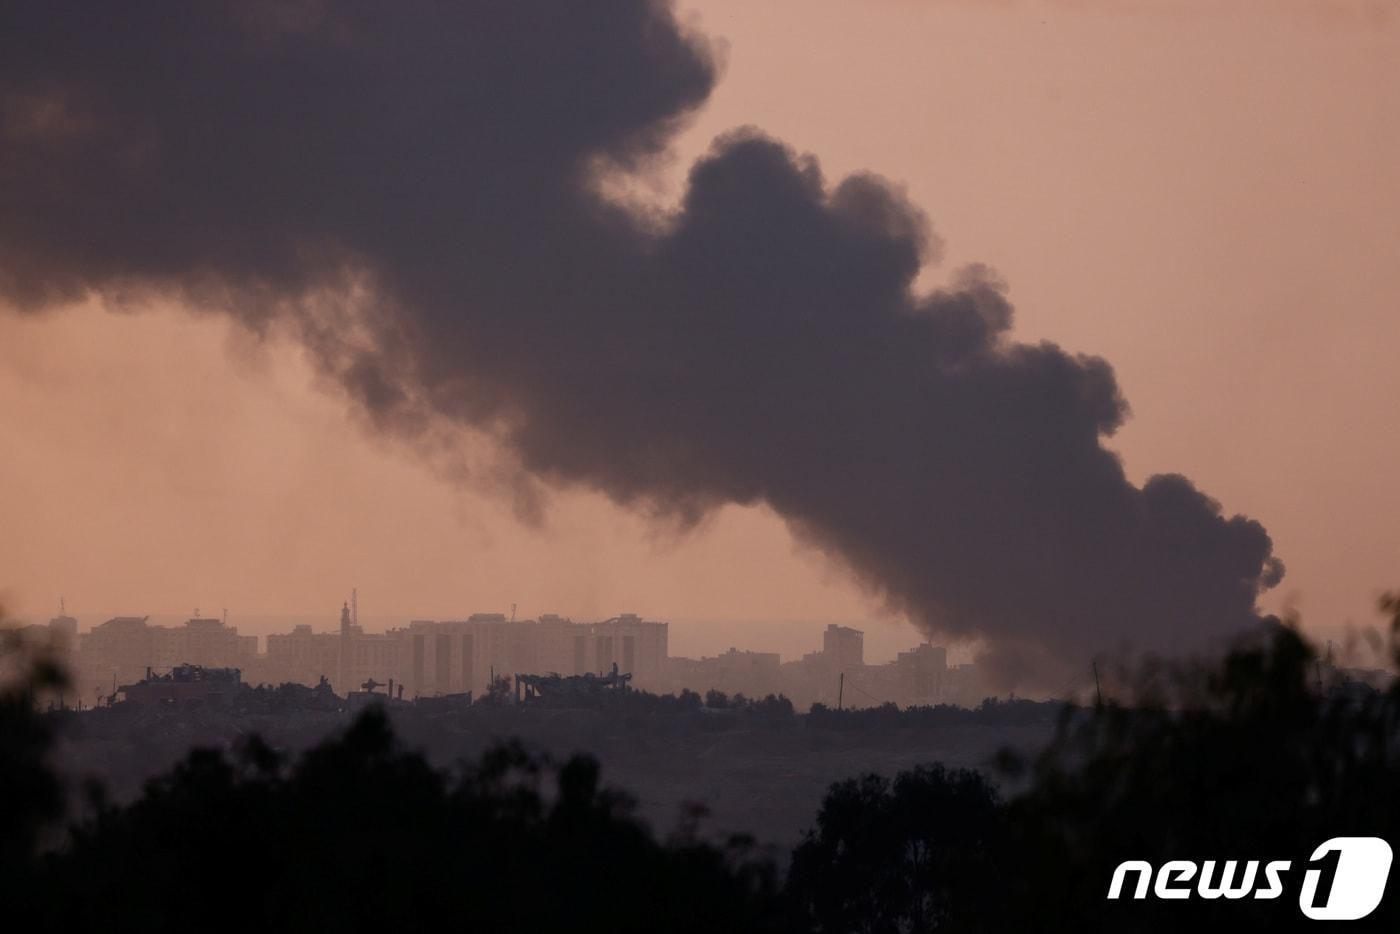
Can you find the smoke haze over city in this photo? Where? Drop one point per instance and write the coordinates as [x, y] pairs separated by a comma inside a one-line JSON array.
[[462, 245]]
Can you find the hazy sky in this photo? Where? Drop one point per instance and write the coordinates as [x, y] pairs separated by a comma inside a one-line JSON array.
[[1206, 195]]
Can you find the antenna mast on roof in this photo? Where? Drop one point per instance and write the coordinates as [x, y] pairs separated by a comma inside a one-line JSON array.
[[354, 606], [512, 612]]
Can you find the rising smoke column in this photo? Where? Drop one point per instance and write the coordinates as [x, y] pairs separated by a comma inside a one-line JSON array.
[[415, 188]]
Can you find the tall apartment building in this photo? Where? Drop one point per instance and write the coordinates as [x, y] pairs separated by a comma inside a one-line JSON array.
[[204, 641], [119, 649], [843, 647], [435, 657], [302, 656], [751, 673], [122, 648], [923, 673], [452, 656]]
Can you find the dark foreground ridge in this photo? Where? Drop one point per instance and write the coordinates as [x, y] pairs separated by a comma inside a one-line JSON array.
[[1259, 758]]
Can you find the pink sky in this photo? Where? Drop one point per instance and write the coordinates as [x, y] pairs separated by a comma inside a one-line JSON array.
[[1207, 195]]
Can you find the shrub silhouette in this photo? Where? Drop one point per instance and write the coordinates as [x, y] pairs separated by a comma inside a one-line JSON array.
[[1256, 759], [362, 835], [31, 795], [910, 854]]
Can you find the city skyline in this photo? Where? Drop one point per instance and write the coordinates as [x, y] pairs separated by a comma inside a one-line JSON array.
[[790, 638], [133, 659]]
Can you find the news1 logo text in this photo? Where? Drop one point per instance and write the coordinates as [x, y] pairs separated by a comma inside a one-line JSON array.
[[1344, 879]]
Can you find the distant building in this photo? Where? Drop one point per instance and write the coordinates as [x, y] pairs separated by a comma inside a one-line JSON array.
[[843, 647], [118, 650], [918, 677], [366, 657], [203, 641], [754, 674], [302, 656], [922, 671], [461, 655], [637, 647], [65, 629], [122, 648], [837, 674], [430, 658], [60, 635]]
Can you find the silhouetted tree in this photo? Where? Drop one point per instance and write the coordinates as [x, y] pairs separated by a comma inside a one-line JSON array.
[[1261, 758], [774, 705], [912, 854], [361, 835], [31, 795]]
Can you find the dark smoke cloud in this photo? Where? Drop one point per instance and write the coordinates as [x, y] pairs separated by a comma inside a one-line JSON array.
[[415, 185]]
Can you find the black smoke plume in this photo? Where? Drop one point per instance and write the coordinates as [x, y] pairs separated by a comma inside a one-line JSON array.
[[416, 186]]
